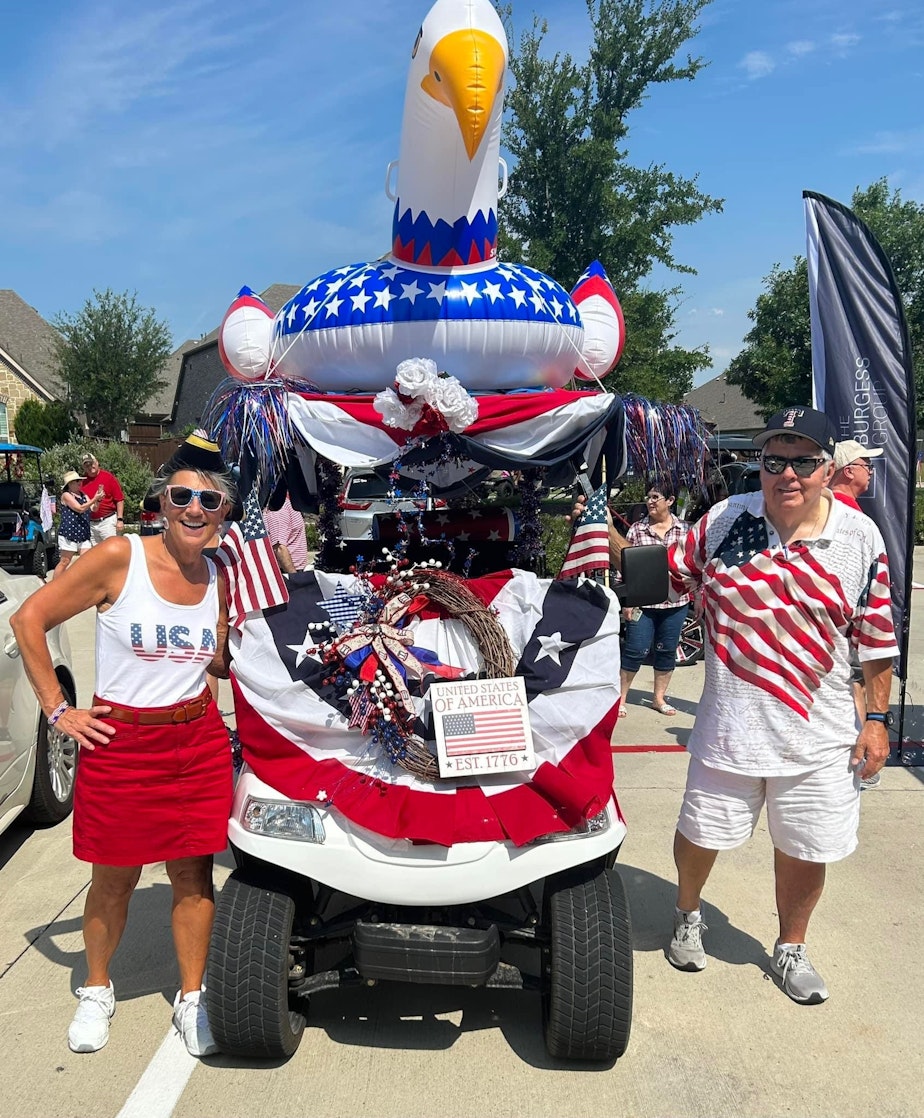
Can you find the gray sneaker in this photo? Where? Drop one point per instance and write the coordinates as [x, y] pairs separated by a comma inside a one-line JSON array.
[[686, 949], [800, 979]]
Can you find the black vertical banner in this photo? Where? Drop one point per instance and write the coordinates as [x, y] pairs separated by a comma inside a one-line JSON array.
[[862, 375]]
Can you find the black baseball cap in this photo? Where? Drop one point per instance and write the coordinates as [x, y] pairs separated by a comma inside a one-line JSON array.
[[806, 422]]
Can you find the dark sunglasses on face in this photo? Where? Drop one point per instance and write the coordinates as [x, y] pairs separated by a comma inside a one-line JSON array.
[[180, 497], [802, 467]]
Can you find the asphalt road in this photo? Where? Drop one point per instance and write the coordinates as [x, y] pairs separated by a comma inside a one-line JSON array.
[[725, 1042]]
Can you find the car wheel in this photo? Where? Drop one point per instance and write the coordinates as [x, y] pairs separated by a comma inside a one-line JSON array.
[[587, 1003], [55, 772], [248, 972], [691, 646]]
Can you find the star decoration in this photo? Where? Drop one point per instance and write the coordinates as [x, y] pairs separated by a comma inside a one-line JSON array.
[[552, 647]]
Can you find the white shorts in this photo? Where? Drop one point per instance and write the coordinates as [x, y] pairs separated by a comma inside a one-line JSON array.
[[64, 544], [812, 816], [103, 529]]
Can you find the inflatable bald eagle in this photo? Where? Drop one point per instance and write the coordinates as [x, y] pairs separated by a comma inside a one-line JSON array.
[[440, 291]]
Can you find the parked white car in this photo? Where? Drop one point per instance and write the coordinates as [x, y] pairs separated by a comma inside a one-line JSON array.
[[363, 495], [38, 763]]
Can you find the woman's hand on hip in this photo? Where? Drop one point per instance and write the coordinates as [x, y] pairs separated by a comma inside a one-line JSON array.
[[85, 727]]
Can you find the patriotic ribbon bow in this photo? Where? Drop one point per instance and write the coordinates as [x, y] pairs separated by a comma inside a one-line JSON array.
[[385, 645]]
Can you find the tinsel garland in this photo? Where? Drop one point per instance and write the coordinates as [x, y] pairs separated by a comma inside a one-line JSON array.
[[529, 551], [329, 537], [251, 420], [666, 440]]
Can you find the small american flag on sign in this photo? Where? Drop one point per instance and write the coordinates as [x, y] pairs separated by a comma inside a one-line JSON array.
[[252, 574], [590, 545], [483, 731]]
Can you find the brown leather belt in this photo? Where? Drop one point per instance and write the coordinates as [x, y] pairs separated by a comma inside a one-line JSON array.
[[158, 716]]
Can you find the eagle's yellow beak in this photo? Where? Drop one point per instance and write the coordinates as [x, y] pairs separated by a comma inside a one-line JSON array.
[[467, 73]]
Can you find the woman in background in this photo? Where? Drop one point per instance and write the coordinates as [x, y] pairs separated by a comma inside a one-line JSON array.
[[654, 629]]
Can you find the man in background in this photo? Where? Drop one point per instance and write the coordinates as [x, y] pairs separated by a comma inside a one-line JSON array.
[[853, 471], [286, 530], [107, 520]]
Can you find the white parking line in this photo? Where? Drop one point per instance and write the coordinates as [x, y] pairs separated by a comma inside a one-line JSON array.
[[158, 1090]]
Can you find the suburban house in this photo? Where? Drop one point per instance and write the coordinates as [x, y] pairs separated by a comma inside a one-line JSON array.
[[725, 408], [27, 364]]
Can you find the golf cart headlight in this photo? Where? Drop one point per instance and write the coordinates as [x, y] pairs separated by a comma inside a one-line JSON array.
[[592, 826], [283, 819]]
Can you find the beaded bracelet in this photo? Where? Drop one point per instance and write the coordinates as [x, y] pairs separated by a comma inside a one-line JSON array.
[[57, 712]]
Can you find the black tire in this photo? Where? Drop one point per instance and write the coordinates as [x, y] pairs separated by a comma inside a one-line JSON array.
[[37, 561], [691, 646], [56, 754], [248, 972], [587, 1004]]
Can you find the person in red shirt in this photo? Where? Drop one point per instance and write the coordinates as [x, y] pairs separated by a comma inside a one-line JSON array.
[[853, 471], [107, 520]]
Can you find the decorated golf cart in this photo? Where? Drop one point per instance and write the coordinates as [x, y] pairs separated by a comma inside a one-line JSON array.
[[426, 792]]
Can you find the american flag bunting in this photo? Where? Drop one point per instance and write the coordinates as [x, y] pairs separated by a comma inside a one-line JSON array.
[[589, 549]]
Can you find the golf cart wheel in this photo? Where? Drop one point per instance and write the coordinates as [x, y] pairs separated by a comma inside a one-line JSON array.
[[248, 972], [52, 797], [690, 647], [36, 561], [587, 1004]]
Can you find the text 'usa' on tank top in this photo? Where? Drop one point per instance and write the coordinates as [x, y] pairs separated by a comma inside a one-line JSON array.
[[151, 652]]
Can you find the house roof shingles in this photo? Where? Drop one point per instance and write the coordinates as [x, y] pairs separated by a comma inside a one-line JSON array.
[[29, 340], [725, 405]]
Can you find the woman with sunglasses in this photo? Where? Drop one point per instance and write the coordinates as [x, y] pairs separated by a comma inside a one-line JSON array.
[[154, 779], [654, 629]]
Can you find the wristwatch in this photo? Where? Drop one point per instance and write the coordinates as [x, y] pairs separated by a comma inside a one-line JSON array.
[[885, 717]]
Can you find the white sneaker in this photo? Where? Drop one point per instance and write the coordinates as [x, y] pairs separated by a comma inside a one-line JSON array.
[[192, 1023], [686, 949], [89, 1030]]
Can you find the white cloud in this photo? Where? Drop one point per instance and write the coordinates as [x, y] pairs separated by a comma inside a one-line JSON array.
[[843, 41], [891, 143], [800, 47], [717, 312], [757, 64]]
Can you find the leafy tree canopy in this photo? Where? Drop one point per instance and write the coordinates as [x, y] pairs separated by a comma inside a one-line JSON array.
[[574, 197], [775, 367], [110, 357], [44, 425]]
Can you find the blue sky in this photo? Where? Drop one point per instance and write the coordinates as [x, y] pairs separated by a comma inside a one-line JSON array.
[[183, 150]]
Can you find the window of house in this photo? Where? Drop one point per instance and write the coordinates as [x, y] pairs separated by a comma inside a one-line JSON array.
[[4, 424]]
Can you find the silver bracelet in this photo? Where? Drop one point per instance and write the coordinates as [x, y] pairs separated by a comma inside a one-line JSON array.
[[57, 712]]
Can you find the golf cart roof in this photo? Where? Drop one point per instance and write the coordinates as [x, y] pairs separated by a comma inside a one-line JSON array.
[[14, 448]]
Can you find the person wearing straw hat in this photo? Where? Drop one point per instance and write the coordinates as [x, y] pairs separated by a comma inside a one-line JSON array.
[[154, 779], [74, 528]]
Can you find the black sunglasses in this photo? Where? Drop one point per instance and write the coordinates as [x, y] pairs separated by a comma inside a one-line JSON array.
[[180, 497], [802, 467]]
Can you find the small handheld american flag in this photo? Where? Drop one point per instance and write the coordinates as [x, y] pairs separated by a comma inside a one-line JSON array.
[[252, 574], [590, 545]]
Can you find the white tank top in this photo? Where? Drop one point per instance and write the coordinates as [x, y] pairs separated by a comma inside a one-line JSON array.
[[151, 652]]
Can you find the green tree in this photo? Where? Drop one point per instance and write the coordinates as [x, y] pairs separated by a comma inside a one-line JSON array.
[[44, 425], [775, 367], [110, 357], [574, 197]]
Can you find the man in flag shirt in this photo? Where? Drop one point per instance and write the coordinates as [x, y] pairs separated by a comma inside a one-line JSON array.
[[791, 580]]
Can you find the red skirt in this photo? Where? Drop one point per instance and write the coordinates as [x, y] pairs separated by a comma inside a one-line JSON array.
[[154, 793]]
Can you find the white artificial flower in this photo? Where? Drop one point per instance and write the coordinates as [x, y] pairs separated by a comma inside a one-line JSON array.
[[413, 376], [395, 413], [450, 399]]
